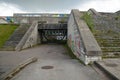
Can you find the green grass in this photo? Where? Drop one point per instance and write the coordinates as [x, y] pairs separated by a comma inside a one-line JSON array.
[[5, 31], [89, 21]]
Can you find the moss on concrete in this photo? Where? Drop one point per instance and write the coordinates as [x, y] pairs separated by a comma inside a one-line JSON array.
[[89, 21]]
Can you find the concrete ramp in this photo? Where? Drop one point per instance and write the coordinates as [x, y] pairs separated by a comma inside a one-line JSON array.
[[53, 63], [81, 40]]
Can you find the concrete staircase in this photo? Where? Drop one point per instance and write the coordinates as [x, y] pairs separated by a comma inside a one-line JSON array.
[[15, 38], [107, 33]]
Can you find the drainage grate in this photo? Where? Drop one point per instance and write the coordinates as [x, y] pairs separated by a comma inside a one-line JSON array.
[[47, 67]]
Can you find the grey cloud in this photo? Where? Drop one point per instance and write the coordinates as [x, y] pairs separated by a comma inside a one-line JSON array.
[[46, 5]]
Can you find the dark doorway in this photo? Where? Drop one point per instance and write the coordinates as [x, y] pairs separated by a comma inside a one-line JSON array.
[[53, 33]]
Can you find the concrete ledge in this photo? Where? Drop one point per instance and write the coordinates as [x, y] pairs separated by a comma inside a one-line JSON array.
[[81, 39], [108, 73], [26, 36], [90, 44], [15, 70]]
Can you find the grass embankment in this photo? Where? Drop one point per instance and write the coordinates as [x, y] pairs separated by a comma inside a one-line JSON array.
[[5, 31], [88, 19]]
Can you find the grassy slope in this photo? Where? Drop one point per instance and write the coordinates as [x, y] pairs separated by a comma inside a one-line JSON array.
[[5, 32], [89, 21]]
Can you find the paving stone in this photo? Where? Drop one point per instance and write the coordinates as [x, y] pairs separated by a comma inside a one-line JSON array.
[[112, 66]]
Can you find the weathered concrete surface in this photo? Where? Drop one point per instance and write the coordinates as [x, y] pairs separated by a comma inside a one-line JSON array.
[[90, 43], [65, 68], [30, 17], [30, 38], [111, 67], [81, 39], [33, 38], [62, 70]]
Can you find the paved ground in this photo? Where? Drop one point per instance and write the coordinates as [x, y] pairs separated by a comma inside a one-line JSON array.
[[112, 66], [64, 68]]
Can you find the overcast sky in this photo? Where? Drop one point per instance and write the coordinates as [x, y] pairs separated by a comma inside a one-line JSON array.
[[8, 7]]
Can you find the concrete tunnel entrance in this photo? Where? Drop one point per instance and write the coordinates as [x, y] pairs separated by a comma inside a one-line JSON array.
[[53, 29], [53, 32]]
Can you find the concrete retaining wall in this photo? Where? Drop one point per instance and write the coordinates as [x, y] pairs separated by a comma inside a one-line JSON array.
[[30, 39], [22, 19], [81, 40]]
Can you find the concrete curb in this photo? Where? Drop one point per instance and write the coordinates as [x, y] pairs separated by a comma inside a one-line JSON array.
[[109, 74], [10, 74]]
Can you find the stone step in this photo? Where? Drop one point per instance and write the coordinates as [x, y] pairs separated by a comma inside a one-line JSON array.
[[109, 45], [110, 49], [107, 32], [16, 36]]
